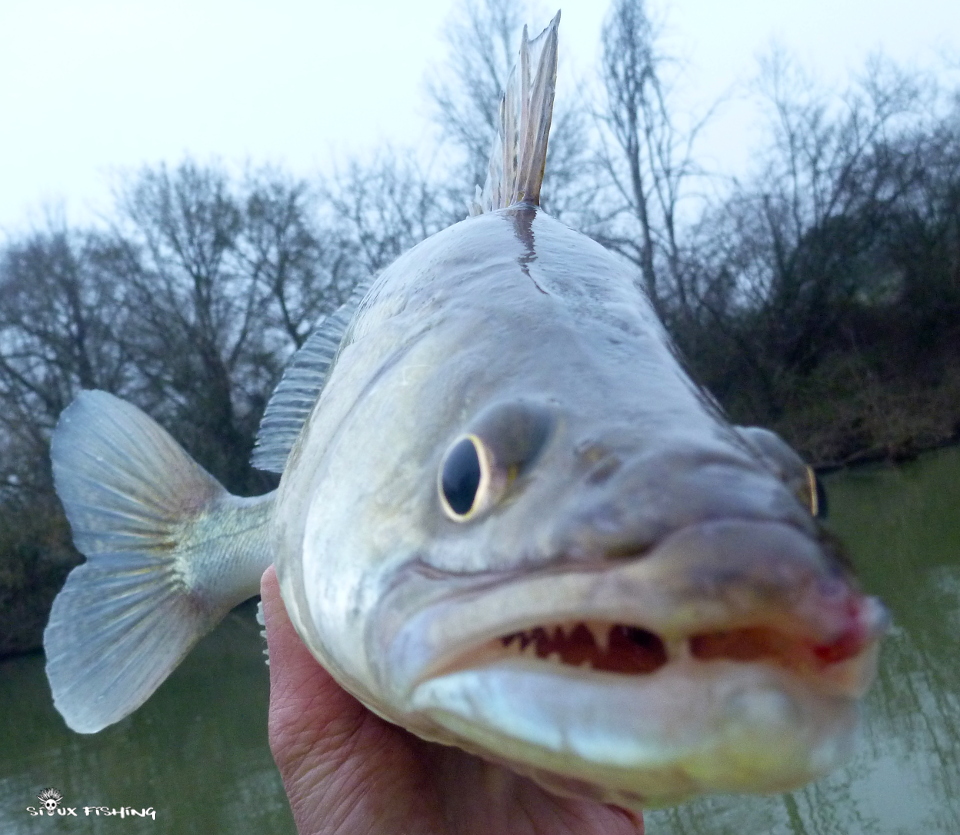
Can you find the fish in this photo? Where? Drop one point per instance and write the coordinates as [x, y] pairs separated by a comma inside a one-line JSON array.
[[507, 520]]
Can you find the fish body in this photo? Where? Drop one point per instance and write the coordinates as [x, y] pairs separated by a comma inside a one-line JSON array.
[[507, 520], [508, 314]]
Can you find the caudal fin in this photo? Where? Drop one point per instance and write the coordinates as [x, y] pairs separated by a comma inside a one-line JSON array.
[[169, 552]]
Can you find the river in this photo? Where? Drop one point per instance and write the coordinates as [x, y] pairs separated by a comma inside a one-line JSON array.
[[196, 754]]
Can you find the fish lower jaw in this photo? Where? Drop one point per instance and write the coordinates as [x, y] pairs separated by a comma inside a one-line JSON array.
[[617, 713], [649, 740]]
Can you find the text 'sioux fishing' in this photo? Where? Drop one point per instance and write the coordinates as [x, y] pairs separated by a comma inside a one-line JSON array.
[[507, 521]]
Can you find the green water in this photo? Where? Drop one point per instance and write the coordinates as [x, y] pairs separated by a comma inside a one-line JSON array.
[[197, 751]]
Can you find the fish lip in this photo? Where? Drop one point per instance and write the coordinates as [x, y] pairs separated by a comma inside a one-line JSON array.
[[441, 637]]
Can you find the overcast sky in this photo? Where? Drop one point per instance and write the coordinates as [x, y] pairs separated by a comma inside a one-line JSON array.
[[92, 88]]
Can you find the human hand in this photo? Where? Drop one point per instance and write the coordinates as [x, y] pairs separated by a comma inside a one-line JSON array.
[[346, 770]]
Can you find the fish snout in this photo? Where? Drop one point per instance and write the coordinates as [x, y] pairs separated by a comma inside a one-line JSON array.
[[719, 556], [747, 591], [624, 508], [738, 574]]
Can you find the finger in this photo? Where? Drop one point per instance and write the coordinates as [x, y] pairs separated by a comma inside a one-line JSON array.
[[306, 704], [294, 672], [308, 710]]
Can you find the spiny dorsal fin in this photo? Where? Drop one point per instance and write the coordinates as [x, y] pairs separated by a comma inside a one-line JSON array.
[[526, 109], [300, 386]]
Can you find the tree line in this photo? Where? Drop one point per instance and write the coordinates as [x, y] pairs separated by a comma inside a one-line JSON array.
[[819, 295]]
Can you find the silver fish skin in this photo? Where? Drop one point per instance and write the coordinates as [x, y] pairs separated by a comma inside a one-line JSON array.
[[631, 501], [509, 522]]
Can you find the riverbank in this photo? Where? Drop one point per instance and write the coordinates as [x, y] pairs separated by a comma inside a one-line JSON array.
[[846, 416], [36, 555]]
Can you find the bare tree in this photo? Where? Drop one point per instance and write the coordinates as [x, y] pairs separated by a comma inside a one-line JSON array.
[[199, 339], [645, 158], [62, 328], [379, 210], [833, 173], [307, 270], [482, 42], [228, 277], [797, 254], [923, 230]]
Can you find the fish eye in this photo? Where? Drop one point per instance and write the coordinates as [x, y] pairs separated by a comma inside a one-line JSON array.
[[480, 466], [465, 478]]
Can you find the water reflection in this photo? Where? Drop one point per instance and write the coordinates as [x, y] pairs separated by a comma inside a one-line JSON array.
[[197, 751]]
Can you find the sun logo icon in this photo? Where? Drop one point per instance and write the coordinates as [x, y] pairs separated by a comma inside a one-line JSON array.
[[50, 798]]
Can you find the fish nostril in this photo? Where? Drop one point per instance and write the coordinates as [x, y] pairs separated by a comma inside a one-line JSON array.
[[627, 551], [604, 469]]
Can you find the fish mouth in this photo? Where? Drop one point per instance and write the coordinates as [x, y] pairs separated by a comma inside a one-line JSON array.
[[726, 659], [843, 667]]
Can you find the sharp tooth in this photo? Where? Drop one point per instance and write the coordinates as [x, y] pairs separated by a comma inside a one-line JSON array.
[[604, 638], [678, 648], [601, 634], [555, 656]]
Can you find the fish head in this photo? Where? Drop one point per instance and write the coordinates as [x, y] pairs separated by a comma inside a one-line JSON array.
[[512, 523]]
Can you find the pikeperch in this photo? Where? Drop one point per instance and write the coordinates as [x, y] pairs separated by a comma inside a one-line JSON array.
[[507, 521]]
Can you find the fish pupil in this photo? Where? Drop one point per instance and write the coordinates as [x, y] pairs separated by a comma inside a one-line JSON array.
[[461, 476]]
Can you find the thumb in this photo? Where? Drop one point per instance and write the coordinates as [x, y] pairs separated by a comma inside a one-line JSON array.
[[312, 719]]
